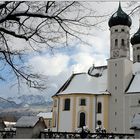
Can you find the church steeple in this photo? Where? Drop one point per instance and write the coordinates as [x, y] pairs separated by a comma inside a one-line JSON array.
[[135, 41], [119, 18], [119, 24]]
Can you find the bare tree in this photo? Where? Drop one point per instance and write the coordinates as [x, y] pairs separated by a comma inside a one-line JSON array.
[[50, 23]]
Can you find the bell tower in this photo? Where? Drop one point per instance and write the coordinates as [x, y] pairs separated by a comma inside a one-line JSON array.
[[119, 25], [119, 68]]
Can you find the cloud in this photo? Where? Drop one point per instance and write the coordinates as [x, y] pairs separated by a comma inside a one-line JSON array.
[[78, 57], [49, 65]]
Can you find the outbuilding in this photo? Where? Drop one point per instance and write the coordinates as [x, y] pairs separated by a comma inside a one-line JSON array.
[[29, 127]]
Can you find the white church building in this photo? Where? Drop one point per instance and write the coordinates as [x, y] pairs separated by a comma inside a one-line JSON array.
[[109, 95]]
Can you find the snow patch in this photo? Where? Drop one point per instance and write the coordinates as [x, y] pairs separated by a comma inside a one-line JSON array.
[[47, 115], [136, 68]]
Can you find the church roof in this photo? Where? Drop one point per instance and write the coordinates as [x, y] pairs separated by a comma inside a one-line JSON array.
[[83, 83], [119, 18], [134, 86]]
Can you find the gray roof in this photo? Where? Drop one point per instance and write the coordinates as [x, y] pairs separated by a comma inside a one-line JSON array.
[[27, 121]]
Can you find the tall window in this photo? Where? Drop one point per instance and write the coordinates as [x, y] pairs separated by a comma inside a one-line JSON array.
[[82, 119], [55, 103], [122, 42], [138, 58], [67, 104], [116, 42], [82, 102], [99, 107]]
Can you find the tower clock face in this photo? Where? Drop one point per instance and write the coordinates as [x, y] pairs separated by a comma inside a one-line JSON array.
[[115, 53]]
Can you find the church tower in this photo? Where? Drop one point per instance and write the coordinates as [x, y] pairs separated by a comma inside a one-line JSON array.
[[119, 68], [135, 41]]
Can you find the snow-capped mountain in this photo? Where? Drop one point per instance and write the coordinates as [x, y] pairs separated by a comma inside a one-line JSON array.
[[26, 100]]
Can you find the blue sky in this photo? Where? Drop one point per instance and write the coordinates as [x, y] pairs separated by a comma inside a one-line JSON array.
[[64, 61]]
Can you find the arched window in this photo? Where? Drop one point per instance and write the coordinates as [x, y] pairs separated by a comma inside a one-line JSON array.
[[122, 42], [138, 58], [116, 42], [67, 104], [99, 107], [82, 121]]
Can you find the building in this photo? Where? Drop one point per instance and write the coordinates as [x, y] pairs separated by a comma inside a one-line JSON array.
[[29, 127], [76, 105], [114, 88], [47, 116]]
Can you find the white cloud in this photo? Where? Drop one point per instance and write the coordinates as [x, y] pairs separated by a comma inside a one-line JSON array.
[[57, 67], [49, 65]]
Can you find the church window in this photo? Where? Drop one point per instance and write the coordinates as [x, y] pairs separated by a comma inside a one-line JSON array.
[[138, 58], [99, 107], [116, 100], [115, 75], [67, 104], [115, 113], [115, 87], [116, 42], [82, 121], [82, 102], [122, 42], [55, 103]]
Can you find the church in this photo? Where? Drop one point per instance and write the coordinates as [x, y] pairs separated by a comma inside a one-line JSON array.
[[106, 95]]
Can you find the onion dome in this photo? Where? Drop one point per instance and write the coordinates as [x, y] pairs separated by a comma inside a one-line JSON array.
[[119, 18], [136, 38]]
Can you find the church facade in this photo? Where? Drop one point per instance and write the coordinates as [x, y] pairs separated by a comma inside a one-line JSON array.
[[109, 95]]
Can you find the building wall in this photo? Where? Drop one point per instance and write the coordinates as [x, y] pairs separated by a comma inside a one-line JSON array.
[[40, 126], [69, 120], [65, 117], [119, 76], [22, 133], [132, 105]]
